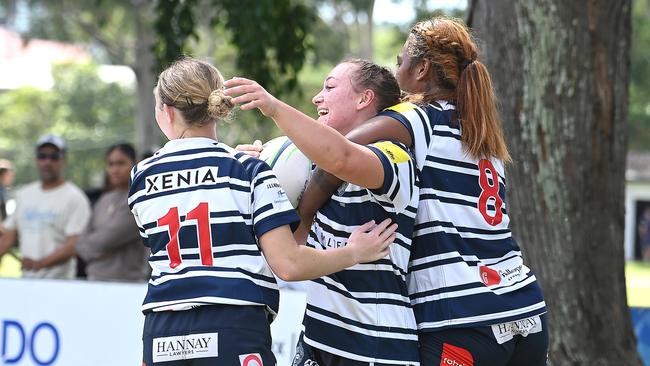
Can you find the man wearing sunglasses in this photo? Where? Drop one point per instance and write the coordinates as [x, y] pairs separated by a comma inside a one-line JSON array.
[[50, 214]]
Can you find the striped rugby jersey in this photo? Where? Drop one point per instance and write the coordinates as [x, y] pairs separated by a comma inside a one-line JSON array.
[[200, 207], [466, 269], [363, 312]]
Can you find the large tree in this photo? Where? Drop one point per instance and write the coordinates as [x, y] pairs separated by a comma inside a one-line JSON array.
[[561, 70]]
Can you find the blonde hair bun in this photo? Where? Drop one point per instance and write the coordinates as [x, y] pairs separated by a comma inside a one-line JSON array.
[[219, 104]]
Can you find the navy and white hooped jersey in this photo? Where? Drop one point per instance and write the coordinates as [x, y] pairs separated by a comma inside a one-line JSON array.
[[201, 207], [466, 269], [363, 312]]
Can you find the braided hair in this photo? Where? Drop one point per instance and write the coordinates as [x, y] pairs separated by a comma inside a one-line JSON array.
[[462, 79]]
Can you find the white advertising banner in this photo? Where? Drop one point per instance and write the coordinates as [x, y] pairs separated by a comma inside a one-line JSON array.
[[79, 323]]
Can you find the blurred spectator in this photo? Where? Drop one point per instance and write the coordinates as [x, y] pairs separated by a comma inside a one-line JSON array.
[[50, 214], [111, 245], [644, 234], [6, 178]]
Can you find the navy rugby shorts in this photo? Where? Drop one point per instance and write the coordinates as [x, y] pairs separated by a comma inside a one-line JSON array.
[[307, 355], [519, 343], [208, 335]]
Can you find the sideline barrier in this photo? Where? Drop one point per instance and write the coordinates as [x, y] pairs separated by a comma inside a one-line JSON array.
[[79, 323]]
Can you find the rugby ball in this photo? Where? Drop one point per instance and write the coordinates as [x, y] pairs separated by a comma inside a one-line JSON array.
[[290, 165]]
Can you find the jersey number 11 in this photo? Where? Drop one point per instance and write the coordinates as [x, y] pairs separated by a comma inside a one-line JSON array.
[[202, 216]]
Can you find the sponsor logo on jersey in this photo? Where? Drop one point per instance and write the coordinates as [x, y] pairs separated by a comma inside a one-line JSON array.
[[511, 274], [281, 196], [489, 276], [341, 189], [455, 356], [506, 331], [169, 181], [393, 152], [328, 240], [185, 347], [251, 359], [504, 274]]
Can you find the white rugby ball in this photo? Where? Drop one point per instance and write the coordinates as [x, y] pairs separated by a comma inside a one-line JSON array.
[[289, 164]]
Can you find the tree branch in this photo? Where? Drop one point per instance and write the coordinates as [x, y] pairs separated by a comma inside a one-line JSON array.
[[116, 53]]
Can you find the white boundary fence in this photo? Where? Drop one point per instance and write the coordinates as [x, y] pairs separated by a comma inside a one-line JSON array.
[[79, 323]]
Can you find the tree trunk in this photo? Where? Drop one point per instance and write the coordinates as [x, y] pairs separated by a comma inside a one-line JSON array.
[[560, 69], [147, 133]]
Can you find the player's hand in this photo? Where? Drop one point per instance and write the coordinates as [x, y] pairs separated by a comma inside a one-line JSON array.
[[370, 242], [251, 95], [254, 149]]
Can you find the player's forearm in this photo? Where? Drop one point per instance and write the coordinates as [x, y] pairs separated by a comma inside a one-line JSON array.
[[380, 128], [322, 185], [322, 144], [302, 232], [60, 255], [308, 263]]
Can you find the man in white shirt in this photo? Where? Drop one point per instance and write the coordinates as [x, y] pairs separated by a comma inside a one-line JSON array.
[[50, 214]]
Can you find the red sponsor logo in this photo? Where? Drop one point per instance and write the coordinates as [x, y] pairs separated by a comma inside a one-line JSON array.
[[489, 276], [253, 359], [455, 356]]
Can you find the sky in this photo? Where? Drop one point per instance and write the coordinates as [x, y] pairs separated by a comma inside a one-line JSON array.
[[402, 12]]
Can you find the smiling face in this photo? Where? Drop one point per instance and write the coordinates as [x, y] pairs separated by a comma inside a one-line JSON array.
[[337, 103]]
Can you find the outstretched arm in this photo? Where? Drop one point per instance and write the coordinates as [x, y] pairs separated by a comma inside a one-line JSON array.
[[322, 184], [293, 262], [332, 151]]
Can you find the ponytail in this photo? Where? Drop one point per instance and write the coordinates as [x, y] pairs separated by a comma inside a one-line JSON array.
[[476, 105], [460, 77]]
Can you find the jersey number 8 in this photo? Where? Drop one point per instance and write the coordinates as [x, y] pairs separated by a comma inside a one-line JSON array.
[[489, 192]]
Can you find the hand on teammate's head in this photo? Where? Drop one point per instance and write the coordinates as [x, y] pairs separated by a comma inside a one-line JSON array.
[[251, 95]]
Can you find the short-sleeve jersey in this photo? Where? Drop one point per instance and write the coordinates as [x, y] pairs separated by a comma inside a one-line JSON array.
[[201, 207], [466, 268], [363, 312]]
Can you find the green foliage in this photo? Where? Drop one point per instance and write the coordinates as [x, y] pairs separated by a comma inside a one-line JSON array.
[[90, 114], [107, 26], [270, 36], [388, 42], [331, 44]]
